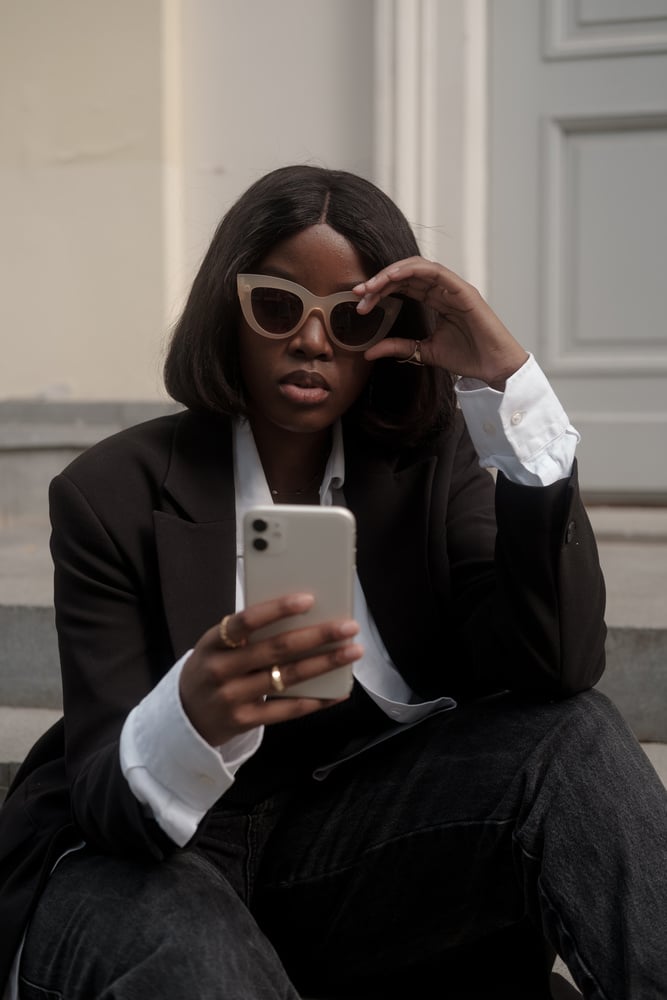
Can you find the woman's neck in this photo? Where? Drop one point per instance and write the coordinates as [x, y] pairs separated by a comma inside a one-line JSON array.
[[293, 463]]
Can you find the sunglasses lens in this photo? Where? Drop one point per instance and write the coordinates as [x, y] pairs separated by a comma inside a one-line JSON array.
[[353, 329], [276, 310]]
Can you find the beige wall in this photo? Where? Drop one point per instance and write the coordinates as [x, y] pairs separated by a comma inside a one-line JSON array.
[[128, 128], [80, 198]]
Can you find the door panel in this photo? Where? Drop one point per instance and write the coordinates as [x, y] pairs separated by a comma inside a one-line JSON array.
[[578, 220]]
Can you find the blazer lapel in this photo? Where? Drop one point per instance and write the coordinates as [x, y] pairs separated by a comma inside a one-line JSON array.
[[196, 532], [392, 507], [196, 541]]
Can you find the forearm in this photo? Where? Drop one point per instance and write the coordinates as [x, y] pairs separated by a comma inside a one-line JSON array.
[[170, 768], [531, 611], [550, 590]]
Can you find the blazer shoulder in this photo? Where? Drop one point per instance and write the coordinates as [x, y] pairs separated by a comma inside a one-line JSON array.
[[146, 447], [151, 438], [147, 466]]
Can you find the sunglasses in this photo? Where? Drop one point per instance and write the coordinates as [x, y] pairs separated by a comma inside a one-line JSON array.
[[277, 308]]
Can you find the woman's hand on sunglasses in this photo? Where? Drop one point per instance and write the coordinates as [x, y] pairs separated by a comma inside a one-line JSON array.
[[468, 339], [226, 683]]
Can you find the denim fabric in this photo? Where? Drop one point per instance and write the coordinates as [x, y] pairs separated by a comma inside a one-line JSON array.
[[107, 928], [443, 855]]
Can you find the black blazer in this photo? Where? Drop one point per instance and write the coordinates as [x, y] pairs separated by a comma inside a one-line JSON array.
[[471, 594]]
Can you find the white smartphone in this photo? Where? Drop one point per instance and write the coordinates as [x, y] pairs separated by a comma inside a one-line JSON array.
[[298, 548]]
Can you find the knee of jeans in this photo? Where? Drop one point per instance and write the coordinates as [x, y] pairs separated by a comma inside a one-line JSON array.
[[187, 898], [104, 916], [168, 930], [123, 904], [587, 755], [591, 717]]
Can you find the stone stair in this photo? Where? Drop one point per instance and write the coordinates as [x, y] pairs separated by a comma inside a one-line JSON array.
[[633, 552]]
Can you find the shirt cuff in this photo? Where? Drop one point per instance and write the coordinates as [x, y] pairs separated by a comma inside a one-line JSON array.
[[403, 712], [169, 767], [524, 431]]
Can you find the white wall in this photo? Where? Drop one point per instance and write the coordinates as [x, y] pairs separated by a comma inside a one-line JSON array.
[[128, 128]]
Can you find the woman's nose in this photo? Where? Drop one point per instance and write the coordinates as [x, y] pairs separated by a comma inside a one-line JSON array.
[[311, 340]]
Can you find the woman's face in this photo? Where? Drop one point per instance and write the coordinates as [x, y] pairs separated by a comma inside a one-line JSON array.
[[305, 382]]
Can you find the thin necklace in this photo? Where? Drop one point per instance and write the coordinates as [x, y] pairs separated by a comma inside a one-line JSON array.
[[308, 487]]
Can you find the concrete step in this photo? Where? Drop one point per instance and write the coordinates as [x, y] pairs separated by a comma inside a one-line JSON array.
[[39, 437], [633, 551]]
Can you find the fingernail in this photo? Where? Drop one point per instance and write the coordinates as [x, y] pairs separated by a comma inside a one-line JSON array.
[[349, 653], [348, 628], [300, 602]]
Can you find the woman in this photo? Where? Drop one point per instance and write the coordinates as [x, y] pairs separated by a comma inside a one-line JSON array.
[[473, 798]]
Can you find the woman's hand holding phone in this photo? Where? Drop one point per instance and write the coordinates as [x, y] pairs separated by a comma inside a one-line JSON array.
[[227, 691]]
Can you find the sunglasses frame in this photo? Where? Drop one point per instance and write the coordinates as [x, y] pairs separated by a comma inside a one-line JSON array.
[[322, 304]]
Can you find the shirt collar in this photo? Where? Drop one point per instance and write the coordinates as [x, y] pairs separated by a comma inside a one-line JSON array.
[[250, 485]]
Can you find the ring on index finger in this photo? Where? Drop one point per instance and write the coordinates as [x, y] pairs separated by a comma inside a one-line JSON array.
[[416, 356], [226, 638], [277, 682]]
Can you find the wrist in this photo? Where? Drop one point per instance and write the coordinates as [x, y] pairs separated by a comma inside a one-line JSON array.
[[511, 366]]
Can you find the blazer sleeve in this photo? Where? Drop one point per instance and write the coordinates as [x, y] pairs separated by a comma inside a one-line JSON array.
[[527, 590], [113, 650]]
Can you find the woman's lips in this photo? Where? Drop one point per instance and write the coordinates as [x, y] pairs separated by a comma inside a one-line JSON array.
[[304, 387]]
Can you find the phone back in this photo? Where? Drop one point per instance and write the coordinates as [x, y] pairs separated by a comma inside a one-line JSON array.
[[306, 549]]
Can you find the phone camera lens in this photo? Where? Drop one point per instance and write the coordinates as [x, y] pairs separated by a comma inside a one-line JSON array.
[[260, 544], [259, 524]]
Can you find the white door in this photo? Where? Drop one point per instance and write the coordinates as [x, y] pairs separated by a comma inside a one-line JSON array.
[[578, 220]]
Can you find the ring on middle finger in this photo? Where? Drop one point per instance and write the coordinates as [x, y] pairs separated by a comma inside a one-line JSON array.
[[415, 358], [277, 682]]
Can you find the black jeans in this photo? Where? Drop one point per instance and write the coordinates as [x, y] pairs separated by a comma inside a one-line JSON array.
[[421, 867]]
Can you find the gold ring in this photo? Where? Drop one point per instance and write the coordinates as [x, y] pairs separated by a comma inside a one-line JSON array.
[[225, 637], [416, 356], [277, 682]]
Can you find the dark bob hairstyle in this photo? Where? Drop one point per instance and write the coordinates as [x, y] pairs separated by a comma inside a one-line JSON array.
[[202, 368]]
